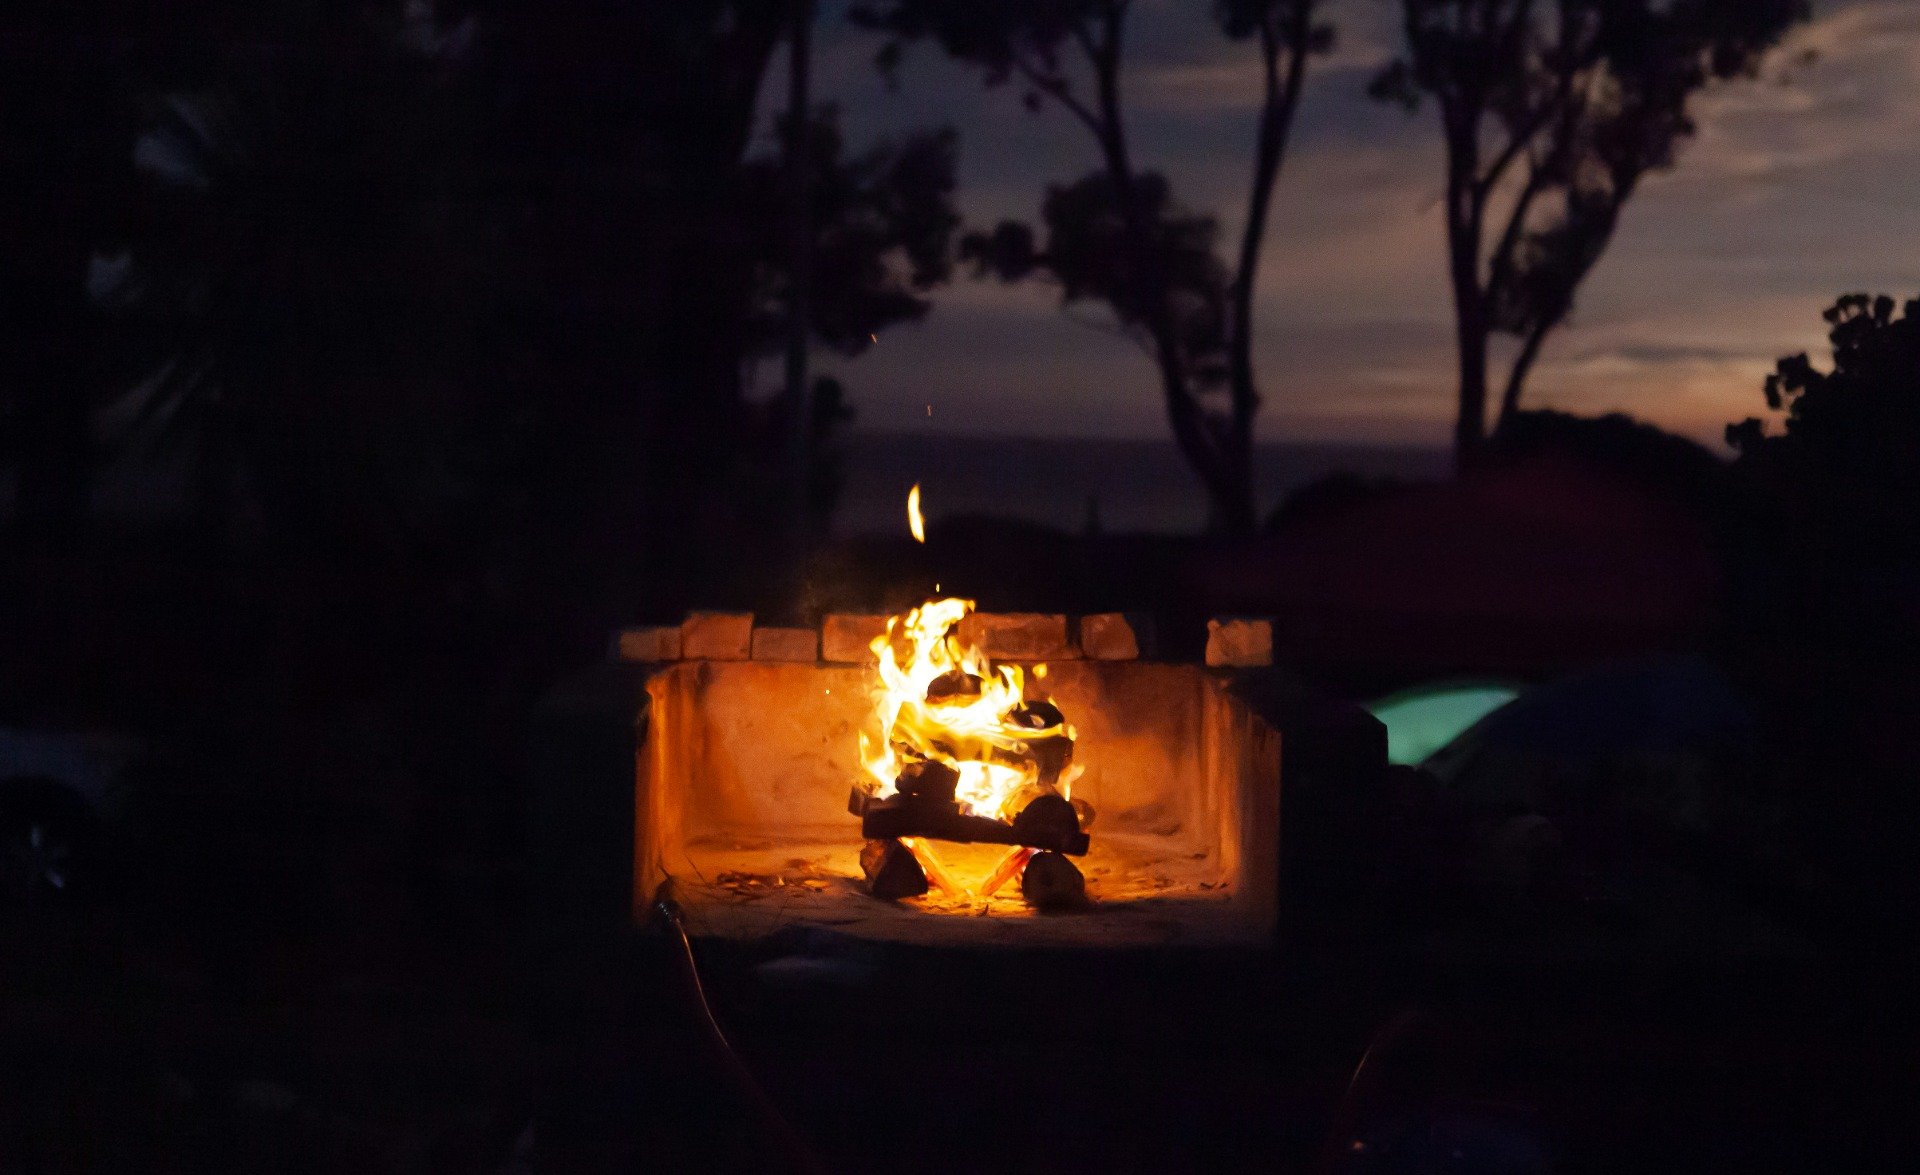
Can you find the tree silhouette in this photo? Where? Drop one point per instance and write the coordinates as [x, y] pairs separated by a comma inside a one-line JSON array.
[[1551, 115], [1117, 236], [883, 226], [1842, 471]]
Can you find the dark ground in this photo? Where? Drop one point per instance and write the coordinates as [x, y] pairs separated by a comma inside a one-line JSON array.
[[396, 1035], [321, 951]]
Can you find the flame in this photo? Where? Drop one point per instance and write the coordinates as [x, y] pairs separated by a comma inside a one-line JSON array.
[[915, 523], [975, 734]]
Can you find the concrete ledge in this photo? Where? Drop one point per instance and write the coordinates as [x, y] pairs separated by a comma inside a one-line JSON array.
[[1019, 636], [786, 644], [1110, 636], [1239, 644], [647, 644], [717, 636], [847, 638]]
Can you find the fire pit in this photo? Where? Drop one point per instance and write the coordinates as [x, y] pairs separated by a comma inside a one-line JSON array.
[[1005, 788]]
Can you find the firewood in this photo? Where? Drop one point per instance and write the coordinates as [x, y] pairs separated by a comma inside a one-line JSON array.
[[1010, 865], [1037, 715], [1048, 756], [928, 779], [930, 864], [1051, 757], [1047, 821], [1052, 883], [954, 685], [1085, 812], [900, 815], [892, 872]]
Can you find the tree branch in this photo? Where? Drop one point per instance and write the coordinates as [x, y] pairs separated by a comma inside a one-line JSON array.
[[1500, 260], [1522, 364], [1055, 87], [1516, 143], [1571, 107], [1570, 68]]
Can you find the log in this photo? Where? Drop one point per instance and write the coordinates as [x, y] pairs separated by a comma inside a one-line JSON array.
[[1051, 883], [928, 779], [1010, 865], [933, 867], [903, 815], [1049, 756], [1037, 715], [954, 685], [892, 872], [1046, 821]]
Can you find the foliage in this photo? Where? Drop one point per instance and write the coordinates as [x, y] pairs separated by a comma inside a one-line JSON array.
[[882, 236], [1843, 468], [1086, 256], [1552, 116]]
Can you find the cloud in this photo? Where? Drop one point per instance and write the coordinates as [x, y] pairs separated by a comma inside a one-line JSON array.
[[1844, 87]]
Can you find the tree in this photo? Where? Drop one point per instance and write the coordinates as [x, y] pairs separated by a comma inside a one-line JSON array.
[[1551, 116], [1842, 471], [882, 237], [1117, 236], [1828, 556]]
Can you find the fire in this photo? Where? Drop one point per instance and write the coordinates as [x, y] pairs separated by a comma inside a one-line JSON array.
[[946, 703], [915, 522]]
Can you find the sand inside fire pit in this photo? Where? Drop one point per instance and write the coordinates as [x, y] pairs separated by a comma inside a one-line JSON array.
[[1142, 890]]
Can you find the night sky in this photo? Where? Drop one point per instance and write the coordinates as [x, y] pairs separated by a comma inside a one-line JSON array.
[[1800, 186]]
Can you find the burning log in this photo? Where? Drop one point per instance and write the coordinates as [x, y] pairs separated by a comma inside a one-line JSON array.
[[915, 815], [928, 780], [1011, 864], [892, 870], [954, 684], [1047, 821], [934, 868], [1049, 756], [1053, 883]]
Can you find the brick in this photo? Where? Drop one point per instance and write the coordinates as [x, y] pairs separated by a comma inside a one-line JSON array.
[[847, 638], [786, 644], [651, 643], [1111, 636], [1019, 636], [1239, 644], [717, 636]]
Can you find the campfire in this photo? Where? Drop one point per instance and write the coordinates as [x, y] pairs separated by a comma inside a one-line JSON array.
[[966, 755]]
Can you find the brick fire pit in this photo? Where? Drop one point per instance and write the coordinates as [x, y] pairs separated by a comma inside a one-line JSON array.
[[752, 742]]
